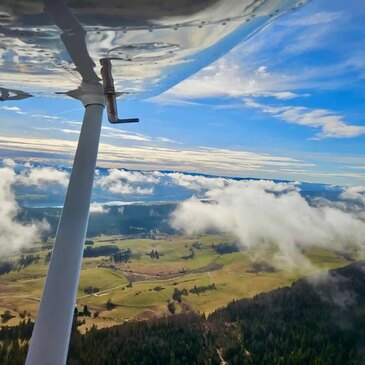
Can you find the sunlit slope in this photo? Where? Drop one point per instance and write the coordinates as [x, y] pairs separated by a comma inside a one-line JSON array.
[[143, 286]]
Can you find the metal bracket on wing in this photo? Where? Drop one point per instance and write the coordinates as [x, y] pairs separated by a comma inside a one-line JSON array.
[[110, 94], [10, 94]]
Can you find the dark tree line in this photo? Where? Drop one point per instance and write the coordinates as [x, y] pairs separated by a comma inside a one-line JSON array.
[[6, 267], [224, 248], [113, 251], [178, 293], [91, 290], [21, 263], [14, 343], [154, 254], [122, 255], [176, 340], [106, 250]]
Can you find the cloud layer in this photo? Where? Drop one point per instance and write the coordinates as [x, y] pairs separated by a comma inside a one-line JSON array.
[[13, 234], [263, 213], [260, 213]]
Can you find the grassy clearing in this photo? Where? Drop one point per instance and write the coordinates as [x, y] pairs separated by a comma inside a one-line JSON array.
[[148, 296]]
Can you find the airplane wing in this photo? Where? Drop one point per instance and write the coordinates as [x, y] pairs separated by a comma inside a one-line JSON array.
[[152, 44]]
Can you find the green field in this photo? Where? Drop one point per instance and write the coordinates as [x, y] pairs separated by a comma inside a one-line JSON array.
[[153, 281]]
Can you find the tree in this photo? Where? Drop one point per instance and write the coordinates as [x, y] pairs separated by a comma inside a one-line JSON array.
[[86, 311], [171, 307], [109, 305], [6, 316]]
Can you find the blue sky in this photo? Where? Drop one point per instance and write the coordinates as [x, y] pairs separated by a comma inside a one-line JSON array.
[[287, 104]]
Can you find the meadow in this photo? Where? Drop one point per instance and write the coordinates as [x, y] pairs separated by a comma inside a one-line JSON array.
[[143, 286]]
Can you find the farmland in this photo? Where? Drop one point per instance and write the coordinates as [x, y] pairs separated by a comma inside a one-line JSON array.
[[154, 274]]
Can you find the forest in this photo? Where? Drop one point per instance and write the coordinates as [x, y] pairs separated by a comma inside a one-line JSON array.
[[318, 320]]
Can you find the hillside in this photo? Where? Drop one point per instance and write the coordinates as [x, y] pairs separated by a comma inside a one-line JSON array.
[[126, 278], [318, 320]]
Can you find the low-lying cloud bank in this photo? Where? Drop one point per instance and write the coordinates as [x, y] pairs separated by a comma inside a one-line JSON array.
[[258, 212], [13, 234], [262, 213], [36, 176]]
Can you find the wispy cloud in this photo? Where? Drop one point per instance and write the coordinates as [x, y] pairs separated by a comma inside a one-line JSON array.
[[330, 123], [203, 159], [319, 18], [167, 140], [355, 193], [110, 132], [231, 78], [221, 161], [14, 109], [10, 108]]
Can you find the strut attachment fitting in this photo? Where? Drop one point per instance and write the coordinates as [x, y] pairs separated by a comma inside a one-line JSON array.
[[110, 94]]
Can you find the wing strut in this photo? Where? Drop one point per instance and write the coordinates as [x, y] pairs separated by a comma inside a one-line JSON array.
[[50, 339]]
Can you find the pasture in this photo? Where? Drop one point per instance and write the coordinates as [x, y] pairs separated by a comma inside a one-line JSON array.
[[143, 286]]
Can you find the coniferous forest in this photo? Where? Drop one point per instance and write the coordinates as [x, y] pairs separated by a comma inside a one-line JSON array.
[[317, 321]]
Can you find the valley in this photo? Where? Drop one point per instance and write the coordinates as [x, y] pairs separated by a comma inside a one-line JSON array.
[[153, 277]]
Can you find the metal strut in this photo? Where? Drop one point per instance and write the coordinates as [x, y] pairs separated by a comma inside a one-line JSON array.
[[51, 334], [50, 339]]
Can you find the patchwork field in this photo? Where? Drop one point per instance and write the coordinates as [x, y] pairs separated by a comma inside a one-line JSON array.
[[161, 275]]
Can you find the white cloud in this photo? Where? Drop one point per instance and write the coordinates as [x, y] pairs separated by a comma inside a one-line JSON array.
[[121, 210], [259, 216], [8, 162], [330, 123], [98, 209], [68, 131], [39, 176], [115, 133], [318, 18], [204, 184], [144, 191], [167, 140], [117, 187], [216, 161], [285, 95], [123, 182], [355, 167], [14, 109], [106, 133], [355, 193], [13, 234], [10, 108], [197, 182], [130, 176], [110, 132], [229, 77]]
